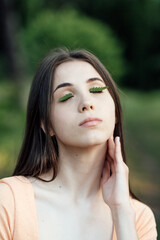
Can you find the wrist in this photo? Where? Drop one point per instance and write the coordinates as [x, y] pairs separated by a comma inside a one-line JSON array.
[[124, 219], [125, 209]]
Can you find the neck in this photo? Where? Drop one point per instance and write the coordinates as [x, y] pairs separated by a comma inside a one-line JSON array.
[[80, 171]]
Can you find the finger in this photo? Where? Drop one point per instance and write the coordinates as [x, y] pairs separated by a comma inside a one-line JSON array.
[[111, 147], [106, 172], [111, 163], [118, 153], [121, 165]]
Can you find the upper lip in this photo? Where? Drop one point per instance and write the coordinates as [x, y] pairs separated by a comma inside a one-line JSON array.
[[89, 119]]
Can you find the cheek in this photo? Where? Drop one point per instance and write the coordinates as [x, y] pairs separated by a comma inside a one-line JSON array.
[[113, 114], [110, 108], [60, 120], [110, 115]]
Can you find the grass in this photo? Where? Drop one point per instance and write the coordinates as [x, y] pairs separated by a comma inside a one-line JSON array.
[[141, 127]]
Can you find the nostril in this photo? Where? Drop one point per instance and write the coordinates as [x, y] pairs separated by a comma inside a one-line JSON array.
[[91, 107]]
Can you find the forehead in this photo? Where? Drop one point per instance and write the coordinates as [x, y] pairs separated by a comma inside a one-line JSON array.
[[74, 71]]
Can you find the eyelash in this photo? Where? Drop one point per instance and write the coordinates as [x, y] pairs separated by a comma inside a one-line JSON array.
[[92, 90]]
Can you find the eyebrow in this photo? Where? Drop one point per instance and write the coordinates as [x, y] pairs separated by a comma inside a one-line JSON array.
[[70, 84]]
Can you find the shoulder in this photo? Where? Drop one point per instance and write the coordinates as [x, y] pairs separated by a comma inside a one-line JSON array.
[[141, 209], [11, 181], [145, 220], [9, 186], [16, 208], [7, 208], [6, 192]]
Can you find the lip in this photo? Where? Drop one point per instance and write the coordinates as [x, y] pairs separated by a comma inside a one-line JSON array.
[[90, 121]]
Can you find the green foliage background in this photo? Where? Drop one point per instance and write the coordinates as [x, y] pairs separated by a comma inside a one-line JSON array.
[[51, 29]]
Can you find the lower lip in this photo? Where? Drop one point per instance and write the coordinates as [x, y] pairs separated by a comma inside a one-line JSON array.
[[91, 123]]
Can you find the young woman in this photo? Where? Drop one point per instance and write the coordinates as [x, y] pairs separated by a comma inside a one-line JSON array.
[[71, 180]]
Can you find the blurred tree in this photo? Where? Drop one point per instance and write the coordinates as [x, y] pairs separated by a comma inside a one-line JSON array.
[[8, 46], [137, 24], [67, 27], [28, 9]]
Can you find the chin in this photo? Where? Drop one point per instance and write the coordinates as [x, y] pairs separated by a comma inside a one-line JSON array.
[[88, 142], [85, 140]]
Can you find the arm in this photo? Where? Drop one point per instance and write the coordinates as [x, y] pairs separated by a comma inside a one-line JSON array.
[[131, 222], [115, 190], [124, 221]]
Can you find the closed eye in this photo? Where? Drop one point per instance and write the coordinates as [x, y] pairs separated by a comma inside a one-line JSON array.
[[97, 89], [92, 90], [66, 97]]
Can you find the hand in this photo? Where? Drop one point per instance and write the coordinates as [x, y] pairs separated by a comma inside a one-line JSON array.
[[115, 187]]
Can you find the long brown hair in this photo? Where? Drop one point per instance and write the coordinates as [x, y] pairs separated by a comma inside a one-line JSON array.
[[39, 151]]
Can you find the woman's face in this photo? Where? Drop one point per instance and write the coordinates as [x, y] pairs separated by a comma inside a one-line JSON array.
[[77, 78]]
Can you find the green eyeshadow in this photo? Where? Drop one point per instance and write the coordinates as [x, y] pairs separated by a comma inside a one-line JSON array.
[[92, 90], [97, 89], [65, 97]]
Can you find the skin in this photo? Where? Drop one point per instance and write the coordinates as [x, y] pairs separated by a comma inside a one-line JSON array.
[[83, 184]]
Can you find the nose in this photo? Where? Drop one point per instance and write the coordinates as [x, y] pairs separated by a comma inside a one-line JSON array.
[[86, 106]]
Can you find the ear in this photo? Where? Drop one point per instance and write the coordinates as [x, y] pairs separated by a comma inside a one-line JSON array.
[[52, 133], [51, 130]]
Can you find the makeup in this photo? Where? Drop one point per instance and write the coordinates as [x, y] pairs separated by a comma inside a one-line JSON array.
[[97, 89], [92, 90], [65, 97]]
